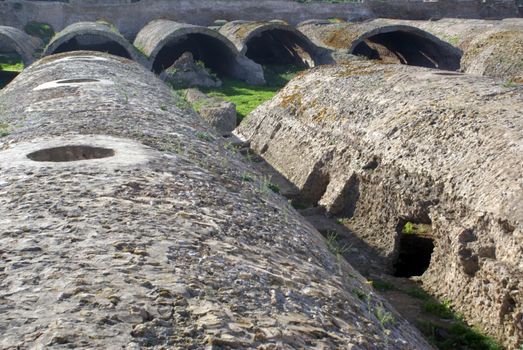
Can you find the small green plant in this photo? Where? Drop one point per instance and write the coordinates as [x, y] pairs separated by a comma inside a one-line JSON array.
[[172, 145], [385, 317], [163, 107], [273, 187], [334, 246], [360, 294], [180, 101], [442, 310], [452, 39], [408, 228], [509, 84], [415, 229], [204, 136], [4, 129], [343, 221], [247, 178]]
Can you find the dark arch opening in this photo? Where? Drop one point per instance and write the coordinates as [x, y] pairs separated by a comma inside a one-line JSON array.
[[93, 42], [280, 47], [211, 51], [415, 248], [11, 64], [407, 48]]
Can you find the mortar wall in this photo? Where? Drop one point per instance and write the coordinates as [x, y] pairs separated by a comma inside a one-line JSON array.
[[131, 17]]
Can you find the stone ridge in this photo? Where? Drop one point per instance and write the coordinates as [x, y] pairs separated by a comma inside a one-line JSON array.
[[386, 144], [182, 250]]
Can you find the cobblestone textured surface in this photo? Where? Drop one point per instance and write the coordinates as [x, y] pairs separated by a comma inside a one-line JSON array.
[[183, 251], [384, 144]]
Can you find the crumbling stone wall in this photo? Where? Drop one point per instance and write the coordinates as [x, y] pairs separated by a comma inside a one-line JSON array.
[[130, 18], [385, 144], [145, 231]]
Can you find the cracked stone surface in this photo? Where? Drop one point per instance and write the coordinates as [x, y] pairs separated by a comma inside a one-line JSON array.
[[179, 251], [384, 144]]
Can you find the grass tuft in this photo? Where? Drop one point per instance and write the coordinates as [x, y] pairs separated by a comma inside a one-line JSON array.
[[247, 97]]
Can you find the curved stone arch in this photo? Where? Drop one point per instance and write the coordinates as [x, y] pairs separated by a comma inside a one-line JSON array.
[[164, 41], [23, 44], [422, 49], [288, 44], [96, 36]]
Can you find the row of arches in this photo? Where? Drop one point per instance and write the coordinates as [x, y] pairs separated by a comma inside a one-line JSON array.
[[237, 49]]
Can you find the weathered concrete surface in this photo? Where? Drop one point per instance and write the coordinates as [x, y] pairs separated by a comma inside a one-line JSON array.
[[130, 18], [14, 40], [385, 40], [490, 47], [97, 36], [165, 41], [165, 244], [386, 144], [274, 42]]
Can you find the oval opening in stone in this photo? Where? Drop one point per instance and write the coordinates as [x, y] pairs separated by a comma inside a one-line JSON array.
[[70, 153], [77, 81]]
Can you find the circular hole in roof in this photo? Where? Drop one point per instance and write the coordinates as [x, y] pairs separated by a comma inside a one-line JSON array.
[[70, 153], [447, 73], [77, 81]]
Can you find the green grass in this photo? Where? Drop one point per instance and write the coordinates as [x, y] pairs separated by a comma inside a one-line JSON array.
[[418, 293], [247, 97], [415, 229], [11, 62], [458, 336], [442, 310], [334, 246]]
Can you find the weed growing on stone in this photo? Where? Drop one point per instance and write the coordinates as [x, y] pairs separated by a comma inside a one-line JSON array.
[[415, 229], [334, 246], [342, 221], [180, 101], [509, 84], [273, 187], [4, 129], [442, 310], [204, 136], [385, 317], [247, 178], [170, 144]]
